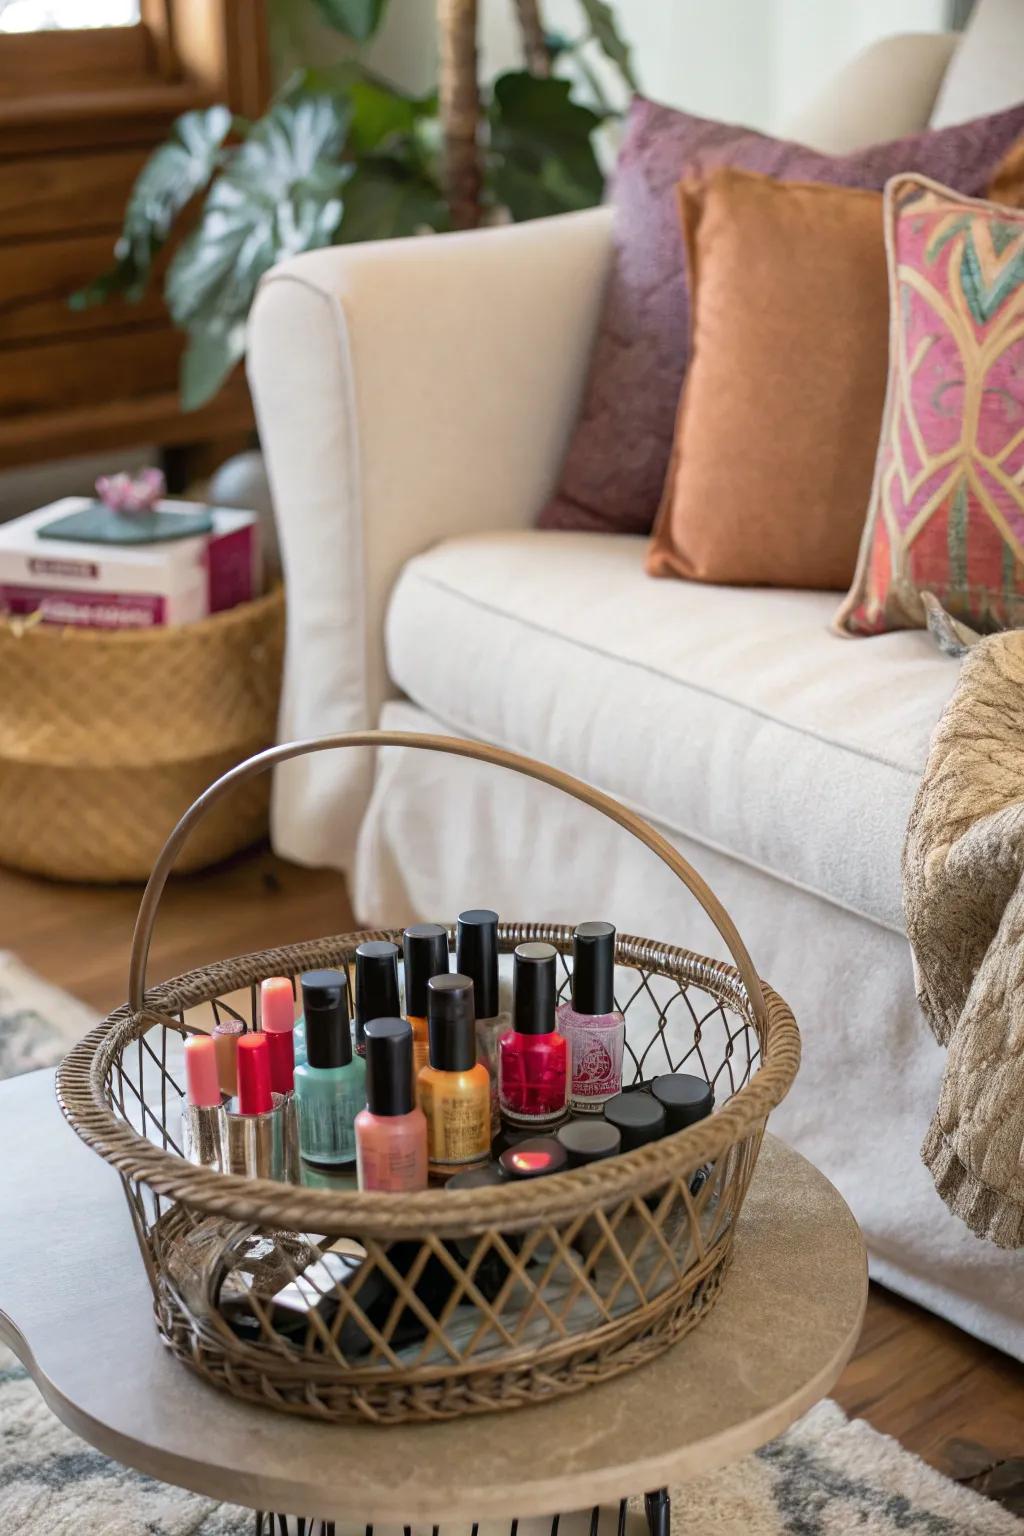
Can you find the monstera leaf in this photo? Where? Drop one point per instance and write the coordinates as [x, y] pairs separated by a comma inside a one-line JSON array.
[[387, 197], [606, 34], [280, 194], [172, 175], [358, 19], [380, 114], [542, 160]]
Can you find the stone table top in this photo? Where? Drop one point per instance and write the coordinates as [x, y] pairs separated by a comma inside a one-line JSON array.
[[76, 1307]]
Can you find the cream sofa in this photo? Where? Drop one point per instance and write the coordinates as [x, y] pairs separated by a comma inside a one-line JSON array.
[[414, 400]]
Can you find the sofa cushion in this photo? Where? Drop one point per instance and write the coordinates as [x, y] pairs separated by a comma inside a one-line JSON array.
[[730, 715]]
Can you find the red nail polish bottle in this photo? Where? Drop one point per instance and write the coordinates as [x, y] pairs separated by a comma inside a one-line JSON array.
[[532, 1055]]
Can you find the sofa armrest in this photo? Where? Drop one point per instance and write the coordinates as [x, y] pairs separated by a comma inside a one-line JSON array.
[[405, 391], [885, 92]]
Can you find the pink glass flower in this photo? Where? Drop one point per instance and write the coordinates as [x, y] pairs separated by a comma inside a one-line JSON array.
[[132, 494]]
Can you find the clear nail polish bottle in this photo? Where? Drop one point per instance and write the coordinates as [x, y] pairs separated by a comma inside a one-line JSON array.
[[330, 1085]]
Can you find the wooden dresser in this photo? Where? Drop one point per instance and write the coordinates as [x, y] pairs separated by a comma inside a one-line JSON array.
[[79, 113]]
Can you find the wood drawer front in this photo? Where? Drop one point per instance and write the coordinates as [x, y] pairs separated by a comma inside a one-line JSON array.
[[37, 276], [112, 365], [51, 194]]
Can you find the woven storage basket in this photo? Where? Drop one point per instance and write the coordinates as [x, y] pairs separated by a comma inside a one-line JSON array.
[[107, 738], [458, 1302]]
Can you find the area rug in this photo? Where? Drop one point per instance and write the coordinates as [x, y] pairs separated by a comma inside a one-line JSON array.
[[828, 1476]]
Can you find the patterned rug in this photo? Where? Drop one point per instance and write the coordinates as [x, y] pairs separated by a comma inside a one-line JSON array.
[[828, 1476]]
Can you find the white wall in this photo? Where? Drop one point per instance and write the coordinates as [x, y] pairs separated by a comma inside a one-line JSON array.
[[750, 61]]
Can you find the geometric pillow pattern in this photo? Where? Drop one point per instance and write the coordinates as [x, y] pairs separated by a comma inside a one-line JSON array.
[[947, 508]]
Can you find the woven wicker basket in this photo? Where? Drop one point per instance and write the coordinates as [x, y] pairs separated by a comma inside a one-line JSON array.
[[107, 738], [467, 1302]]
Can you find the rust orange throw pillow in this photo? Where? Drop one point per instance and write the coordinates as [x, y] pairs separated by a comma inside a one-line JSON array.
[[778, 423], [947, 511]]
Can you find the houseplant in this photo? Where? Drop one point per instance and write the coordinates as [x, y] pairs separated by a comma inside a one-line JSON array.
[[341, 155]]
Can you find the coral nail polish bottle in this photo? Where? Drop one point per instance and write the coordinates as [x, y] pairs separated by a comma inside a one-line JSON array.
[[454, 1090], [425, 951], [330, 1085], [376, 986], [532, 1056], [391, 1132], [591, 1023]]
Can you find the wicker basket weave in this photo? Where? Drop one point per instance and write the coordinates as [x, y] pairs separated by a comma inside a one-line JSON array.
[[107, 738], [467, 1302]]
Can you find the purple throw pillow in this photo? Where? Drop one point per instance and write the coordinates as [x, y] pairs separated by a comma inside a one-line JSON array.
[[618, 457]]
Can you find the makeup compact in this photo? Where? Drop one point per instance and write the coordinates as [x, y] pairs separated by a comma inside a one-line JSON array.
[[638, 1118], [589, 1141], [534, 1158]]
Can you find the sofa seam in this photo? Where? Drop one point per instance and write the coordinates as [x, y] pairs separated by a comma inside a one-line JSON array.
[[640, 666], [660, 821]]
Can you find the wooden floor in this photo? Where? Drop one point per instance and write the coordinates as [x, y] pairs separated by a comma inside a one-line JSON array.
[[954, 1401]]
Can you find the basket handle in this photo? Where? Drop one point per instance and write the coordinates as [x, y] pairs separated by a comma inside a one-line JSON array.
[[456, 747]]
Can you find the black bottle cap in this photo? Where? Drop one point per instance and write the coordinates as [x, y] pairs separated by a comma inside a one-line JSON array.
[[451, 1023], [389, 1067], [593, 968], [376, 984], [534, 1158], [325, 1010], [425, 946], [476, 955], [637, 1117], [685, 1099], [534, 987], [476, 1178], [588, 1141]]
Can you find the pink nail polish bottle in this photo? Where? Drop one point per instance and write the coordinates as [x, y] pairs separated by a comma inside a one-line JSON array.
[[391, 1132], [593, 1026]]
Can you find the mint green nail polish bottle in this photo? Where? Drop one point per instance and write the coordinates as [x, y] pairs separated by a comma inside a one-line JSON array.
[[330, 1085]]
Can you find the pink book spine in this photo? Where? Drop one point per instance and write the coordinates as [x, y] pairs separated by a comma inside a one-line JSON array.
[[85, 610]]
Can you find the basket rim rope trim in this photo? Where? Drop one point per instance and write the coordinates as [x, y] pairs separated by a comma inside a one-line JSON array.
[[455, 746], [83, 1099]]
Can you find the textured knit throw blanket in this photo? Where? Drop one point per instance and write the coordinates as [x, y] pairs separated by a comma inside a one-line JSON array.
[[963, 896]]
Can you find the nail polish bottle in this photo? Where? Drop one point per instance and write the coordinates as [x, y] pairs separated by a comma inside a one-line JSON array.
[[204, 1135], [226, 1035], [277, 1021], [425, 951], [391, 1132], [454, 1091], [591, 1023], [476, 956], [532, 1056], [330, 1086], [376, 987], [255, 1143]]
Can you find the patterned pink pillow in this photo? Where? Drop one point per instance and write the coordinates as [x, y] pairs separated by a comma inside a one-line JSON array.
[[612, 478], [947, 508]]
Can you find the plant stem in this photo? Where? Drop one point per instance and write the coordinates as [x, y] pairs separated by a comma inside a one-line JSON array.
[[460, 110], [538, 60]]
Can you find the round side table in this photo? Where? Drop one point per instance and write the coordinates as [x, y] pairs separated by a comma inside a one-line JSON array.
[[76, 1307]]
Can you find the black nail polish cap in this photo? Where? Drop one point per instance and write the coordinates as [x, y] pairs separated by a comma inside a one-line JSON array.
[[451, 1023], [389, 1067], [685, 1099], [325, 1010], [534, 988], [376, 984], [425, 947], [593, 968], [476, 955]]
